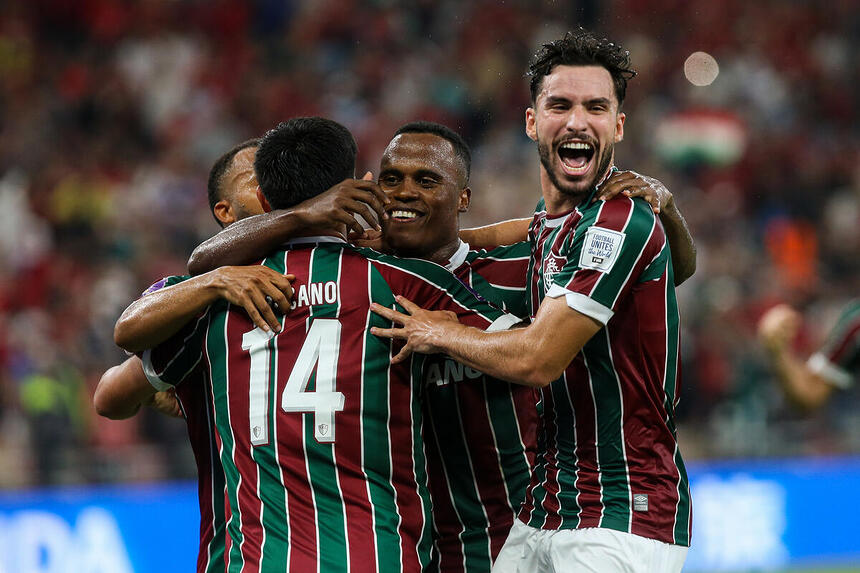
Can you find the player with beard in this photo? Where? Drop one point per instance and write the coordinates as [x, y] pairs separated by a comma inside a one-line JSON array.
[[480, 432], [609, 491]]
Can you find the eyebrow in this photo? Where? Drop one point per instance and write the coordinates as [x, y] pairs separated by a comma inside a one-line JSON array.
[[595, 100], [427, 173]]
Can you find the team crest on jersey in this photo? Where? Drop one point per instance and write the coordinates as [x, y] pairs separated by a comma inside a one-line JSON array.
[[551, 266], [600, 249], [323, 428]]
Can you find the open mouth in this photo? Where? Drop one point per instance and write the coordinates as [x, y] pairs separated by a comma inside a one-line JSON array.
[[575, 156], [403, 215]]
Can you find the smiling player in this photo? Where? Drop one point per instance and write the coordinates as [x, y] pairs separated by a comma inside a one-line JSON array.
[[609, 487]]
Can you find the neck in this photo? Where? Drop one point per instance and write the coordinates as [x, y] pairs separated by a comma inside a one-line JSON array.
[[443, 254], [440, 255], [558, 202]]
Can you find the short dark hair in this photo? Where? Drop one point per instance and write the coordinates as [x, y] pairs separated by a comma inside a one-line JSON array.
[[222, 165], [581, 48], [301, 158], [461, 148]]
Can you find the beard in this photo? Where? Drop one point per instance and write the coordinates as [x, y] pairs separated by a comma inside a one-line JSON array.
[[604, 160]]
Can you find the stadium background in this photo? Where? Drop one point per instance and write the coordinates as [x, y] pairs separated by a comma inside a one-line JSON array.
[[112, 111]]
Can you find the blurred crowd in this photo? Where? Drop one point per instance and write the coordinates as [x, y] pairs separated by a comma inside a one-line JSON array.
[[112, 112]]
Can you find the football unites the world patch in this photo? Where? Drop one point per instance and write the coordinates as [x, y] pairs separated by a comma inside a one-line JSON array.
[[600, 249]]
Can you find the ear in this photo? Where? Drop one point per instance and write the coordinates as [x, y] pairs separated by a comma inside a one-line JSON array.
[[619, 126], [263, 202], [223, 211], [531, 127], [464, 200]]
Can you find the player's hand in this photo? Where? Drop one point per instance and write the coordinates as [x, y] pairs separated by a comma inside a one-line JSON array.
[[342, 203], [258, 289], [422, 329], [370, 238], [778, 327], [634, 184], [166, 403]]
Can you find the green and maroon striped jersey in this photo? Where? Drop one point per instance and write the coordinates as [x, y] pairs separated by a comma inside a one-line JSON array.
[[319, 434], [195, 400], [838, 360], [480, 432], [608, 453]]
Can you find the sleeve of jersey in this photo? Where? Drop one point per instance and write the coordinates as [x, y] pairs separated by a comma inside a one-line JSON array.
[[438, 289], [505, 270], [602, 261], [169, 363], [840, 354], [165, 282]]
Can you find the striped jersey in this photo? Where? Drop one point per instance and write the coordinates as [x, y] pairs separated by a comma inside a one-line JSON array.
[[480, 432], [607, 449], [318, 433], [195, 401], [838, 360]]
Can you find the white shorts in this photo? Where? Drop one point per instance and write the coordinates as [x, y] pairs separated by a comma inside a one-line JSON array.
[[589, 550]]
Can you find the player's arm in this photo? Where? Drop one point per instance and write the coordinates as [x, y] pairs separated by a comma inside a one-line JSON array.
[[662, 203], [534, 356], [503, 233], [122, 390], [803, 387], [249, 239], [156, 316]]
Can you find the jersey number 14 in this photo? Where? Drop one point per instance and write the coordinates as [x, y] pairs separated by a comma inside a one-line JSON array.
[[320, 349]]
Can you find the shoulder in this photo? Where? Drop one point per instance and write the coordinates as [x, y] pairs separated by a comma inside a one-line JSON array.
[[417, 267], [630, 217], [521, 250]]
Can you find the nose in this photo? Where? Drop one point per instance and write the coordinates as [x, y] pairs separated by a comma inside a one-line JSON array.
[[577, 119], [403, 191]]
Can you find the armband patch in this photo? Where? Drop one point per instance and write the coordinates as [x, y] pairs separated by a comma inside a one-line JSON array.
[[600, 249]]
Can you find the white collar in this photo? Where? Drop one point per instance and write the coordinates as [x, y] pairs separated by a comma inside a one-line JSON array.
[[311, 240], [458, 257], [553, 222]]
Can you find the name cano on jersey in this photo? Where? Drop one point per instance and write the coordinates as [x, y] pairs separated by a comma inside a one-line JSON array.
[[448, 371], [314, 293]]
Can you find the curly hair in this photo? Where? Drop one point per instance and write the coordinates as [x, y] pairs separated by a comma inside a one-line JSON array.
[[581, 48]]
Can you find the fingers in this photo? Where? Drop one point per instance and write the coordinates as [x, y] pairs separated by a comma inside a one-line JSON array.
[[278, 296], [387, 332], [256, 289], [403, 355], [352, 224], [646, 192], [614, 185], [371, 194], [407, 304], [260, 312], [166, 403], [363, 209], [631, 184], [389, 313], [368, 238]]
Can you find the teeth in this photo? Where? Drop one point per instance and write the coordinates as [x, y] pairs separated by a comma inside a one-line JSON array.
[[576, 145], [401, 214]]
